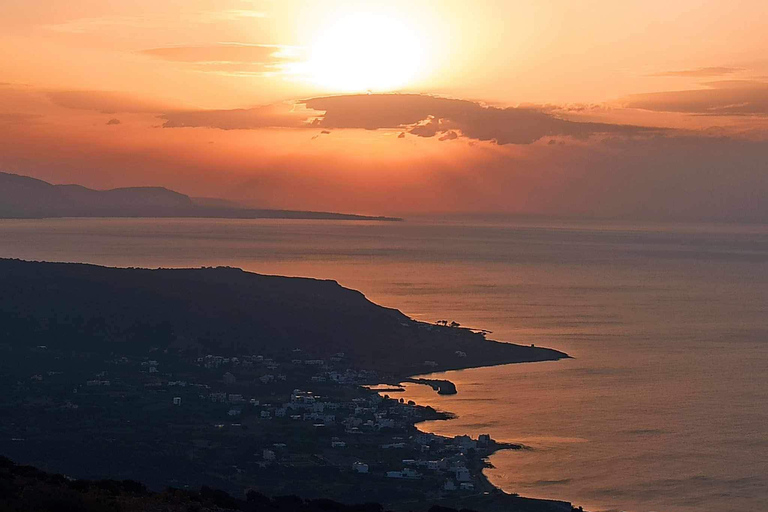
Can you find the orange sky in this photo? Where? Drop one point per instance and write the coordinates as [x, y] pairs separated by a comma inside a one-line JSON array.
[[590, 107]]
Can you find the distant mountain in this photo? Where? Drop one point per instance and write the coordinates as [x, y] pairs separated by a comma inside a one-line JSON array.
[[226, 310], [25, 197]]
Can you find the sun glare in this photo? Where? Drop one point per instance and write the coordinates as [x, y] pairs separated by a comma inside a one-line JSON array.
[[362, 52]]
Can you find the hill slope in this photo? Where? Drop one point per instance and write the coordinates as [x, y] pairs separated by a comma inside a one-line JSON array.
[[24, 197], [226, 310]]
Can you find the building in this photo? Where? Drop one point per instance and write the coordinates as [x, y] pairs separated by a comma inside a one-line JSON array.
[[466, 486], [268, 455], [405, 473], [360, 467], [449, 485], [177, 400], [462, 474]]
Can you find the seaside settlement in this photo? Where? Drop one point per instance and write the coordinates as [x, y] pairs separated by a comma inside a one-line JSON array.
[[288, 425]]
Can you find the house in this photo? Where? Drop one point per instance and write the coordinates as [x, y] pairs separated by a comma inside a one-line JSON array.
[[465, 442], [177, 400], [449, 485], [406, 473], [234, 412], [265, 414], [360, 467], [268, 454], [459, 353], [466, 486], [338, 444], [462, 474]]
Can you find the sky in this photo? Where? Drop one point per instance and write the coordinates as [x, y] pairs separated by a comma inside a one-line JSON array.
[[636, 109]]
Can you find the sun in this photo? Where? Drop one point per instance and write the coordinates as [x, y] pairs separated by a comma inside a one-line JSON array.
[[366, 52]]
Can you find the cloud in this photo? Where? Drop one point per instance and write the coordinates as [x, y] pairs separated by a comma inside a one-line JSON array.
[[699, 72], [232, 15], [18, 118], [419, 115], [723, 98], [105, 102], [231, 59], [107, 23], [270, 116], [224, 52], [428, 116]]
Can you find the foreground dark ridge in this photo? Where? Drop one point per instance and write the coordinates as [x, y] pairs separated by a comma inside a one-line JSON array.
[[22, 197], [27, 489], [225, 310]]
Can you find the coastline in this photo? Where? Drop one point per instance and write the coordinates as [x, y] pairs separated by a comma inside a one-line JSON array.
[[489, 497]]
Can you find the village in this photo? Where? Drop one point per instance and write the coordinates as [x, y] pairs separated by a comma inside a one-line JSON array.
[[253, 420]]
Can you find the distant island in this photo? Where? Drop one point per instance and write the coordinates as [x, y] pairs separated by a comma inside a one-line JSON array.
[[253, 384], [22, 197]]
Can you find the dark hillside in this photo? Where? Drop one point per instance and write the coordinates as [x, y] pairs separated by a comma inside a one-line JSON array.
[[226, 310]]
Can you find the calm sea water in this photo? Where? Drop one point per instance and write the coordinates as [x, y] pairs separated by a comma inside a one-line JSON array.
[[665, 404]]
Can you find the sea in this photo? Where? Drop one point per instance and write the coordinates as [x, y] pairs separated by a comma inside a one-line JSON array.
[[664, 403]]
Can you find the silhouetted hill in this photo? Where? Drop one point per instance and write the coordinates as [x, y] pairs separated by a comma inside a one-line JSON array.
[[24, 197], [27, 489], [226, 310]]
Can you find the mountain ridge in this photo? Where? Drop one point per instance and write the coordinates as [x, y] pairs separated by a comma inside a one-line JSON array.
[[24, 197]]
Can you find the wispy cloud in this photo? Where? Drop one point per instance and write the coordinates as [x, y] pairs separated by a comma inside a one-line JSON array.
[[721, 98], [699, 72], [223, 52], [107, 23], [231, 59]]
